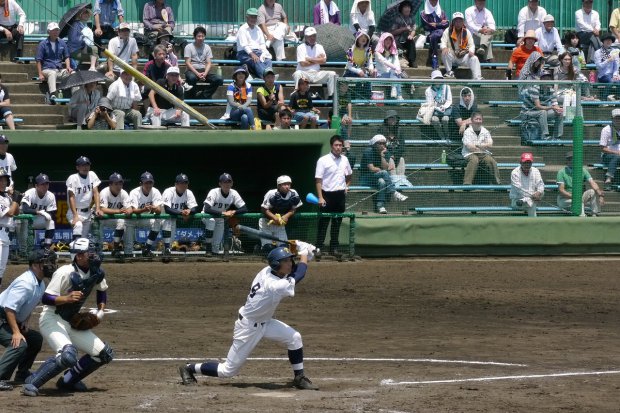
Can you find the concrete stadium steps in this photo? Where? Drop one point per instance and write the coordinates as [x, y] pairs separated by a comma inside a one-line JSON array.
[[215, 112], [27, 98], [19, 88], [42, 119], [23, 109], [11, 67], [12, 77]]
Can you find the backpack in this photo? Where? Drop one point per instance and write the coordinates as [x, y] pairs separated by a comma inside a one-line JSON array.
[[511, 36], [530, 131]]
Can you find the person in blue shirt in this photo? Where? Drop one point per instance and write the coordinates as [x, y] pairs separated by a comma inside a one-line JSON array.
[[16, 304], [106, 13], [52, 53], [81, 40]]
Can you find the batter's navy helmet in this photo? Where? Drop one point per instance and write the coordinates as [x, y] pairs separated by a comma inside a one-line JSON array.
[[276, 255]]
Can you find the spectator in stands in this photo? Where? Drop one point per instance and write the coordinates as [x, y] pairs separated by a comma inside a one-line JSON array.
[[614, 23], [376, 172], [332, 178], [102, 117], [395, 142], [403, 29], [610, 148], [157, 18], [607, 61], [440, 97], [239, 95], [5, 110], [106, 12], [434, 22], [304, 112], [477, 142], [549, 40], [251, 48], [530, 18], [481, 24], [270, 99], [457, 46], [156, 68], [567, 71], [326, 11], [12, 22], [81, 42], [284, 120], [83, 102], [388, 64], [363, 18], [125, 47], [571, 44], [52, 53], [588, 26], [162, 111], [273, 21], [594, 198], [125, 96], [463, 111], [526, 185], [521, 53], [198, 57], [310, 56], [359, 58]]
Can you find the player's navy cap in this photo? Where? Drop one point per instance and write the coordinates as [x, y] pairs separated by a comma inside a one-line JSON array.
[[181, 179], [116, 177], [4, 139], [42, 179], [225, 177], [147, 177], [82, 160]]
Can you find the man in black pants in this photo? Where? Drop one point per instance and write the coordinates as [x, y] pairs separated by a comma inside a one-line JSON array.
[[332, 177]]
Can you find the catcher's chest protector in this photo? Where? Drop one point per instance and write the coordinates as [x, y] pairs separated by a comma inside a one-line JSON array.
[[85, 285]]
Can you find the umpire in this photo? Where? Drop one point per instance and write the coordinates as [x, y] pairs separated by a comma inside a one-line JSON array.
[[16, 304], [332, 178]]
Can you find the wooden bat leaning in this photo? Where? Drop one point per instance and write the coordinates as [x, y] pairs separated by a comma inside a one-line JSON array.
[[260, 234]]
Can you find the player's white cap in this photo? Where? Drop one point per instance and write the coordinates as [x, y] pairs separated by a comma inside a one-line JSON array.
[[82, 160], [78, 246], [284, 179], [52, 26], [147, 177], [226, 177], [310, 31], [42, 179], [173, 70]]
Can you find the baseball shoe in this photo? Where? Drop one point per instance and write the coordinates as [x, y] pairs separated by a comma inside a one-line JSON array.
[[187, 375], [449, 75], [5, 386], [147, 253], [76, 387], [303, 383], [166, 256], [118, 254], [399, 197], [382, 210], [30, 390]]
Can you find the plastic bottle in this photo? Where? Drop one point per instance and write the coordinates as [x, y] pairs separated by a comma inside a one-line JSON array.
[[60, 95], [443, 156], [434, 62], [592, 77], [218, 71]]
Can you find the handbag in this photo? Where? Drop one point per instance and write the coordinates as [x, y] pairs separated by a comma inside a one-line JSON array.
[[425, 113], [456, 159]]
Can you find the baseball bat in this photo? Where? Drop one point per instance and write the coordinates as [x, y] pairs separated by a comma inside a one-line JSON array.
[[260, 234]]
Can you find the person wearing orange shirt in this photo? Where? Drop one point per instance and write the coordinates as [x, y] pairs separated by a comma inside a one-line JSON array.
[[521, 53]]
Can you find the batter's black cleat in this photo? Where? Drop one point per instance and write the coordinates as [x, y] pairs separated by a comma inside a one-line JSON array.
[[303, 383], [187, 375], [147, 253], [4, 386], [76, 387], [166, 256]]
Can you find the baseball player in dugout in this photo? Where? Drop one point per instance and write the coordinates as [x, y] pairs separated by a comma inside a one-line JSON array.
[[115, 200], [66, 329], [179, 202], [82, 190], [146, 199], [255, 319], [278, 207], [41, 203], [16, 304], [9, 207], [223, 203]]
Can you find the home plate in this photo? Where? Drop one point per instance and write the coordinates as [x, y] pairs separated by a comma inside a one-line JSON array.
[[276, 394]]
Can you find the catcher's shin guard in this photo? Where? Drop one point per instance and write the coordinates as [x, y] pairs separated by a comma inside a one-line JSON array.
[[52, 366], [87, 365]]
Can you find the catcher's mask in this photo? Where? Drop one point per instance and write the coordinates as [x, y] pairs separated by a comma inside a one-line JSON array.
[[45, 257], [276, 255]]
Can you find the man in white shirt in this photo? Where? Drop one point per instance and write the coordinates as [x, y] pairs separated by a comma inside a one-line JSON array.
[[530, 18], [477, 142], [124, 47], [125, 95], [273, 21], [12, 21], [251, 48], [481, 24], [82, 190], [310, 55], [526, 185], [459, 52], [115, 200], [548, 38], [610, 148], [588, 27]]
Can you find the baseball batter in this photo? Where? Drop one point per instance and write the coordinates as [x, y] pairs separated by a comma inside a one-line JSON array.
[[278, 206], [180, 202], [41, 203], [9, 207], [82, 190], [115, 200], [65, 295], [146, 199], [223, 202], [7, 161], [255, 319]]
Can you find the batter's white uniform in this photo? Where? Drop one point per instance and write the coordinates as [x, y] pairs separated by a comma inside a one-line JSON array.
[[45, 204], [277, 204], [137, 199], [108, 200], [218, 202], [6, 223], [82, 188], [256, 322], [55, 329], [173, 200], [9, 166]]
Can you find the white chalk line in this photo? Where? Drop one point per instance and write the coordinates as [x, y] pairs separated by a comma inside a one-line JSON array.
[[390, 382]]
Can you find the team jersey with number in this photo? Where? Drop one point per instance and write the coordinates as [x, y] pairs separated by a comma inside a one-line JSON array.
[[82, 188], [137, 199], [47, 203], [5, 204], [187, 200], [265, 294], [277, 203], [108, 200], [218, 202]]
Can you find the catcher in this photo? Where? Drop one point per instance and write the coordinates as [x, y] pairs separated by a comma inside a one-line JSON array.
[[278, 207], [66, 329]]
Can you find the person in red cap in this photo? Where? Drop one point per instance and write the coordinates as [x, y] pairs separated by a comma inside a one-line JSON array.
[[526, 185]]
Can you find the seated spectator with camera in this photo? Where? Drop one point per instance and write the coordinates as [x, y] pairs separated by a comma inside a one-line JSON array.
[[102, 117]]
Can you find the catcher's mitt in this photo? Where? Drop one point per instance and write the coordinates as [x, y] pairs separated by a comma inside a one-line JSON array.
[[84, 321]]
